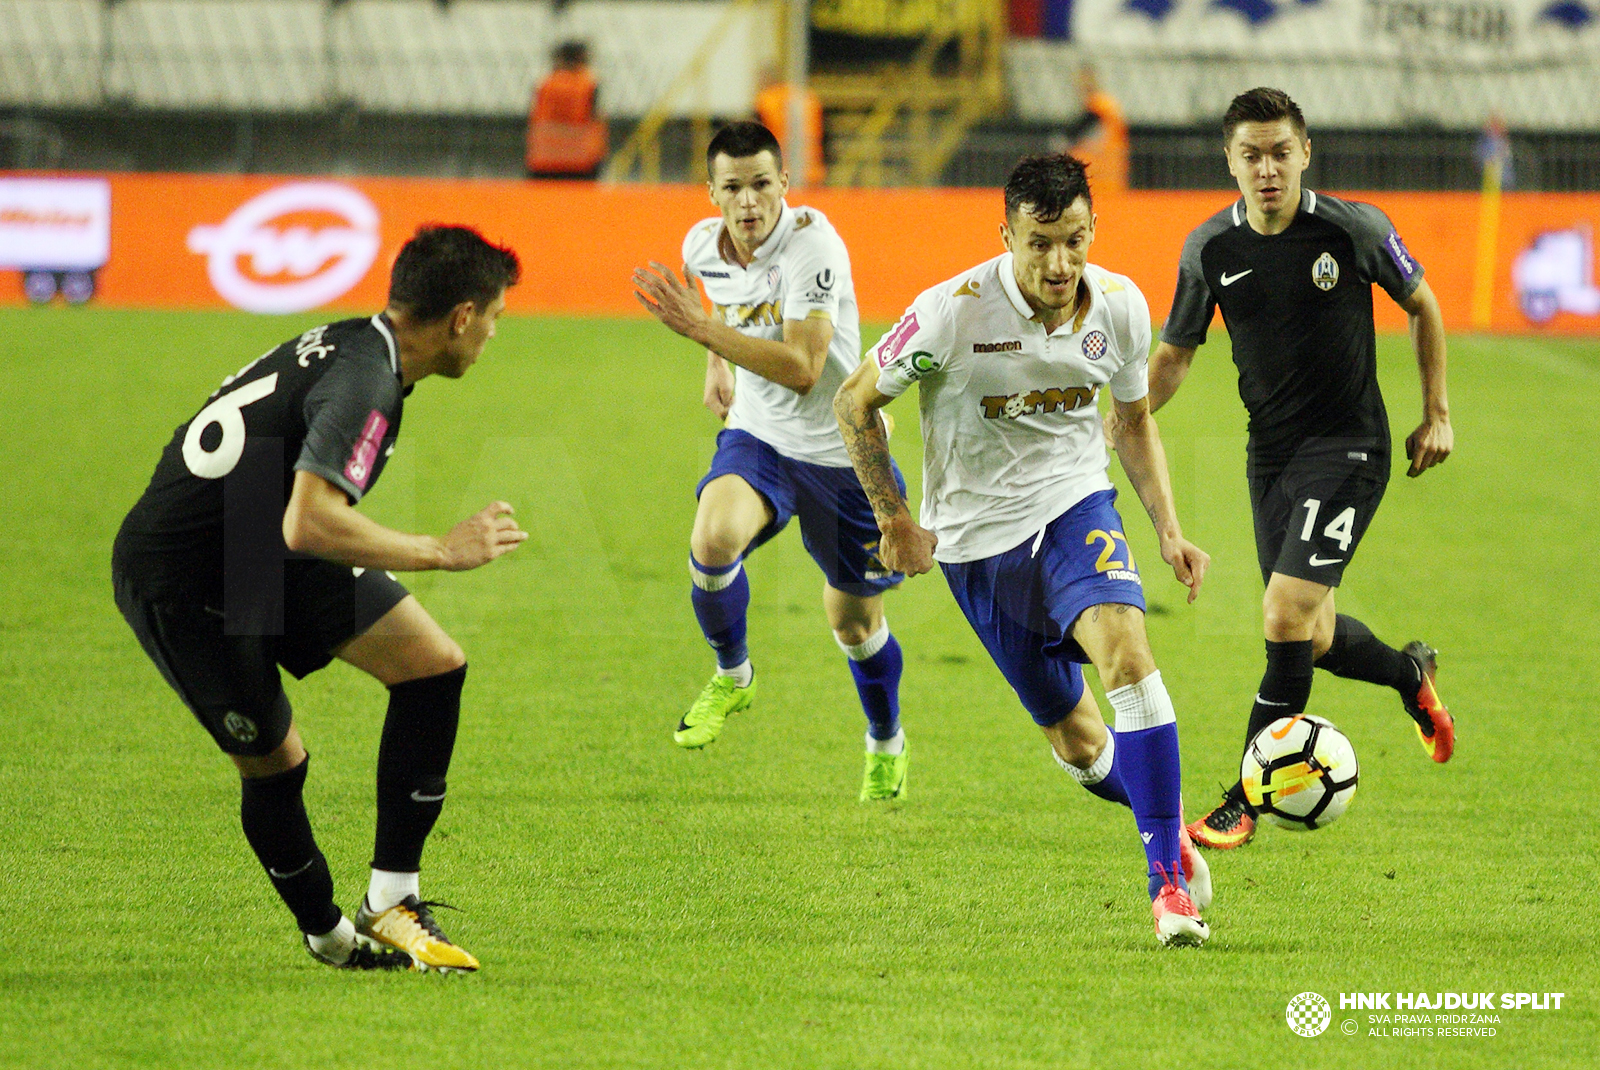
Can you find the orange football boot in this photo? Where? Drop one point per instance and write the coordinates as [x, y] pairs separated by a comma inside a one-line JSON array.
[[1435, 727]]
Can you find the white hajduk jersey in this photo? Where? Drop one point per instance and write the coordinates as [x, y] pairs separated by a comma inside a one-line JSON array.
[[1010, 421], [802, 270]]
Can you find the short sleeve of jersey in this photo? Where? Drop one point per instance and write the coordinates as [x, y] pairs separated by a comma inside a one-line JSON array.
[[917, 347], [1132, 381], [1192, 303], [1383, 257], [348, 415], [816, 272], [695, 240]]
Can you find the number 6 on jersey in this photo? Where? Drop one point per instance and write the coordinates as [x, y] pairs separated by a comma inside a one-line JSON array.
[[224, 412]]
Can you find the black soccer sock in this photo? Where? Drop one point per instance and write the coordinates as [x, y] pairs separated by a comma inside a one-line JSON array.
[[1357, 654], [1285, 690], [419, 735], [273, 814]]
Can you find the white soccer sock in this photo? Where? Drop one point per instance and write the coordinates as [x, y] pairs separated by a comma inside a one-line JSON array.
[[713, 581], [335, 944], [389, 888], [868, 646], [887, 746], [1098, 771], [1143, 705], [742, 673]]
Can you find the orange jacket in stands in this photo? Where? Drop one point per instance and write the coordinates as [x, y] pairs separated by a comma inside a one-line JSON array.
[[565, 137], [772, 108]]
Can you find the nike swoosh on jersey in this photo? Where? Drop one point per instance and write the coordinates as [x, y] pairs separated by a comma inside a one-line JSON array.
[[1315, 560], [1229, 280]]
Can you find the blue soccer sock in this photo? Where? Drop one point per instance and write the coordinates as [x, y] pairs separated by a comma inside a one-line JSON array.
[[1147, 737], [721, 599], [876, 664], [1104, 777]]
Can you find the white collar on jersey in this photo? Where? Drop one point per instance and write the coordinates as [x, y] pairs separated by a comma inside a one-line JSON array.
[[765, 249], [1019, 304], [1308, 201], [388, 336]]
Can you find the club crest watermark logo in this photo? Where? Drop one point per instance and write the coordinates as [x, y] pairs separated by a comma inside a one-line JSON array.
[[1094, 345], [1308, 1014], [292, 248]]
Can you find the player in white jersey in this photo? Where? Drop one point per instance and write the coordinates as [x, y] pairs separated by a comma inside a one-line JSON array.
[[785, 316], [1010, 358]]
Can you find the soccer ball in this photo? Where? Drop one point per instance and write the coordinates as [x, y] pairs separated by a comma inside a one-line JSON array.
[[1300, 772]]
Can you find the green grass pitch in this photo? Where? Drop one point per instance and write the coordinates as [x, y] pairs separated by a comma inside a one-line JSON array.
[[636, 906]]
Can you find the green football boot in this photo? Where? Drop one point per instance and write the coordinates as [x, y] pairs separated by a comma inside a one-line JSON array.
[[703, 723], [885, 775]]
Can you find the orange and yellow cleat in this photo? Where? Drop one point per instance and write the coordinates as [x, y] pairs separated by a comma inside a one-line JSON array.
[[409, 926], [1435, 727], [1230, 825]]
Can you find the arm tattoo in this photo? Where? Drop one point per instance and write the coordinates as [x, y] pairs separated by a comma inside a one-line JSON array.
[[868, 444]]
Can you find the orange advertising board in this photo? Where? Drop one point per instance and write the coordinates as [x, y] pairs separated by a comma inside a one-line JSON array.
[[276, 244]]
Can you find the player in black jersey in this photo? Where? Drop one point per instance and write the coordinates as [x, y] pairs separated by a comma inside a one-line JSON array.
[[245, 553], [1292, 271]]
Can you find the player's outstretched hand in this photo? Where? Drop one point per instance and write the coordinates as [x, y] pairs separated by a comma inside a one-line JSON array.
[[1188, 561], [1429, 444], [482, 537], [675, 303], [907, 547]]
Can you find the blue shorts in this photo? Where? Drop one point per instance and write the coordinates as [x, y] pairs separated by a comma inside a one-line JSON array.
[[836, 522], [1024, 602]]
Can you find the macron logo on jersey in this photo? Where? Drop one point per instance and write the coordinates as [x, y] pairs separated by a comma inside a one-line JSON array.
[[358, 469], [890, 347], [1400, 255]]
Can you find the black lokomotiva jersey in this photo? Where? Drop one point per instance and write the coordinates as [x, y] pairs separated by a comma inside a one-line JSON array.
[[1298, 307], [209, 527]]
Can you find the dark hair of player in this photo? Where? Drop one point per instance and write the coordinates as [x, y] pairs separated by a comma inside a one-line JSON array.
[[442, 266], [1046, 186], [741, 139], [1262, 105]]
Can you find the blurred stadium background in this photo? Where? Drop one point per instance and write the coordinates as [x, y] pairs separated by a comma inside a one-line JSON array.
[[1431, 97], [916, 92]]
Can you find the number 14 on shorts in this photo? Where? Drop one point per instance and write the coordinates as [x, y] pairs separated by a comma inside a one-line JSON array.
[[1341, 529]]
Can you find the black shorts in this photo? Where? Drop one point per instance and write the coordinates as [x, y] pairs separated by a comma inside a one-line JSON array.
[[1310, 513], [231, 681]]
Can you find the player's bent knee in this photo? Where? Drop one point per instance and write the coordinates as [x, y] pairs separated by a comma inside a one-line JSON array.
[[1075, 748], [1127, 663], [716, 547], [1286, 621], [443, 655], [853, 632]]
